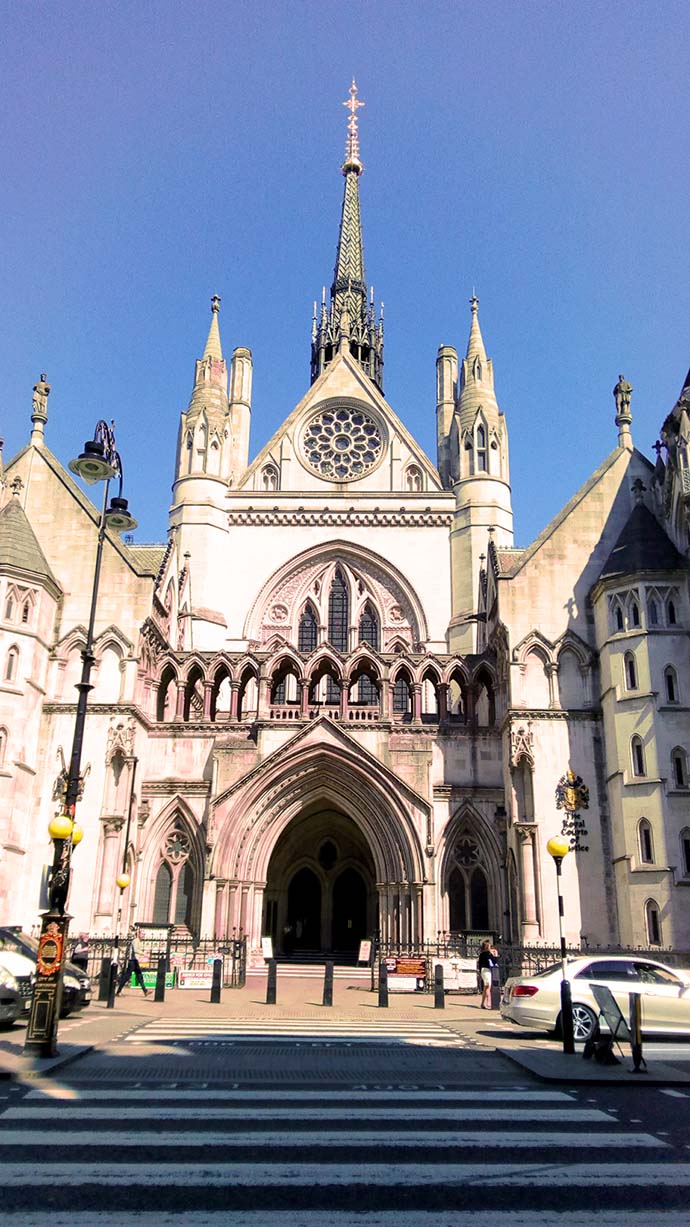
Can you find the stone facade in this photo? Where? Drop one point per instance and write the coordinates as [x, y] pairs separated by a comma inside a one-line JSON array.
[[339, 700]]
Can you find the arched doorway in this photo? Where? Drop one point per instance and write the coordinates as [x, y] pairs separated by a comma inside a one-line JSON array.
[[303, 927], [349, 911], [320, 894]]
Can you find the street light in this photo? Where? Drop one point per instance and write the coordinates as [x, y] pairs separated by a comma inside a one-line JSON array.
[[98, 462], [122, 882], [558, 848]]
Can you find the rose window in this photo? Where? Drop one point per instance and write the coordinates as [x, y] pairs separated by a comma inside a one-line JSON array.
[[342, 443]]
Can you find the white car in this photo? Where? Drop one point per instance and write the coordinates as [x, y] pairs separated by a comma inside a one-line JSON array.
[[17, 975], [535, 1001]]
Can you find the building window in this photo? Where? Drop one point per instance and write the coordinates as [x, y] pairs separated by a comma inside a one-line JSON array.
[[685, 852], [269, 478], [630, 672], [402, 698], [618, 617], [634, 614], [637, 750], [11, 664], [26, 611], [652, 922], [413, 479], [653, 610], [644, 834], [9, 607], [480, 447], [671, 684], [308, 631], [338, 613], [671, 613], [3, 746], [680, 768]]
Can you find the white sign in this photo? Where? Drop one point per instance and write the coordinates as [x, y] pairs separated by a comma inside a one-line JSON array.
[[267, 947], [195, 977], [364, 955], [458, 973], [403, 984]]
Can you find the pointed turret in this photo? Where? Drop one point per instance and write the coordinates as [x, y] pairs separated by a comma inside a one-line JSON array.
[[214, 349], [476, 448], [363, 334], [204, 439]]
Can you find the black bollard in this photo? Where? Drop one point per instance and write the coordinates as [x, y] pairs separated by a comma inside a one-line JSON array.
[[159, 994], [112, 984], [439, 992], [271, 982], [328, 983], [383, 984], [639, 1063], [217, 982], [495, 988], [104, 980]]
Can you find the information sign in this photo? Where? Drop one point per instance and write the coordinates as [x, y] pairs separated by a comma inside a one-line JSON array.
[[364, 955], [406, 975], [195, 977], [459, 974], [267, 947]]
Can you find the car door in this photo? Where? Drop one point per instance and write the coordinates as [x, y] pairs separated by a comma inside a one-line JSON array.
[[616, 974], [665, 1007]]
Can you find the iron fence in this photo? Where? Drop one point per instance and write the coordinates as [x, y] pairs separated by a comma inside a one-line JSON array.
[[183, 952]]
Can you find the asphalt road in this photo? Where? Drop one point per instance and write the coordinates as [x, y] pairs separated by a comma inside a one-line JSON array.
[[333, 1124]]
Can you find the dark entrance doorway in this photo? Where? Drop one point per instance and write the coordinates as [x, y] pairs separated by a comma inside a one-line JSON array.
[[349, 911], [303, 925]]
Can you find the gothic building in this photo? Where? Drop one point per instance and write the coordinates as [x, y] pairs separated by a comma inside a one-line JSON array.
[[340, 700]]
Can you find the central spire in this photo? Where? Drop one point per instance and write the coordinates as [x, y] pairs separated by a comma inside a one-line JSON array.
[[349, 319]]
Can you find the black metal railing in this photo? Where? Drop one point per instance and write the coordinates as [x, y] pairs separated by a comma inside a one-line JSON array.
[[185, 951]]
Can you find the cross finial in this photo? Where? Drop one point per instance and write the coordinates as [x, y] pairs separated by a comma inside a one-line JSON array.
[[352, 159], [215, 304]]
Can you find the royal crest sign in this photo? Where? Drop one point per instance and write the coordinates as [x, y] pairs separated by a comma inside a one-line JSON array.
[[572, 795]]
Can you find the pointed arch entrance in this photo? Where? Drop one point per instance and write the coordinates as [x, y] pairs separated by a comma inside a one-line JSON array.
[[320, 892]]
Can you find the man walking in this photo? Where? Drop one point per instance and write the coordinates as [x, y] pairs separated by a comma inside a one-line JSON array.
[[130, 966]]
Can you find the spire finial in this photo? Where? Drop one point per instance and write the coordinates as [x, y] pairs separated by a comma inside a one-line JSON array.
[[215, 304], [213, 348], [474, 302], [352, 158]]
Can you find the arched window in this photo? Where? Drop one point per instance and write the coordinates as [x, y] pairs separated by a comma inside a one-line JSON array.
[[653, 612], [338, 613], [679, 764], [11, 664], [3, 746], [269, 478], [9, 607], [201, 445], [166, 701], [637, 752], [645, 842], [413, 479], [685, 852], [468, 890], [672, 613], [634, 613], [369, 627], [619, 618], [27, 609], [308, 630], [184, 899], [652, 922], [161, 897], [630, 671], [480, 448], [671, 684], [402, 695]]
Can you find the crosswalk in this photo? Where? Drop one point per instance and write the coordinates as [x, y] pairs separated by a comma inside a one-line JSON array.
[[318, 1030], [273, 1157]]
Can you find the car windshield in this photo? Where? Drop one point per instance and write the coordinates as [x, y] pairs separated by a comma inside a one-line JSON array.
[[22, 942]]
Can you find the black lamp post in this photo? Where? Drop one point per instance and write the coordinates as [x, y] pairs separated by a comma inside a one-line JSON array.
[[98, 462], [558, 848]]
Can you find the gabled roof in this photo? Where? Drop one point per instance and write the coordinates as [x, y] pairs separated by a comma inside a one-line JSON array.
[[642, 546], [19, 548]]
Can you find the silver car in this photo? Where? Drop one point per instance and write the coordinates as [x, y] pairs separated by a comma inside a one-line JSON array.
[[535, 1001]]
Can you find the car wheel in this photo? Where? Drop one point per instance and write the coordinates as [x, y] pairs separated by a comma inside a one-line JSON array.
[[585, 1022]]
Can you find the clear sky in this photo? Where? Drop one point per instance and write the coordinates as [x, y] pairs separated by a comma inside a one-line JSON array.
[[153, 154]]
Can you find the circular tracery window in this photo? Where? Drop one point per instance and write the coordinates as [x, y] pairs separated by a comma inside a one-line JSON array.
[[342, 443]]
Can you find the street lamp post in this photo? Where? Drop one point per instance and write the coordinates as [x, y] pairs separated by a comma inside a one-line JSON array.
[[98, 462], [122, 882], [558, 848]]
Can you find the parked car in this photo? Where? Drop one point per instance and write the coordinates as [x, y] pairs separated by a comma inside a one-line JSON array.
[[535, 1001], [17, 975], [76, 985]]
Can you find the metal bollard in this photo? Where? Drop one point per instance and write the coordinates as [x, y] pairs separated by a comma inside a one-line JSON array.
[[271, 982], [217, 982], [383, 984], [639, 1063], [439, 993], [495, 988], [104, 980], [112, 983], [159, 994], [328, 983]]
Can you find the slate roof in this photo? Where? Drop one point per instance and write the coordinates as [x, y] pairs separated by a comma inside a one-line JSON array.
[[19, 547], [642, 546], [145, 559]]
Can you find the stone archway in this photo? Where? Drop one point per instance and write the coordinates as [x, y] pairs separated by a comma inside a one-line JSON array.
[[320, 895]]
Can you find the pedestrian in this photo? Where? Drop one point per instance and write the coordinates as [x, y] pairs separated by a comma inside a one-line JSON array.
[[130, 966], [80, 954], [488, 959]]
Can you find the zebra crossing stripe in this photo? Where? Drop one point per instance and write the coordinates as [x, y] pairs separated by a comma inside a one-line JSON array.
[[354, 1139], [358, 1094], [389, 1175], [370, 1218], [576, 1116]]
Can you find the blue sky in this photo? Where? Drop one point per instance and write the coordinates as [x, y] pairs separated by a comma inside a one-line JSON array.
[[155, 154]]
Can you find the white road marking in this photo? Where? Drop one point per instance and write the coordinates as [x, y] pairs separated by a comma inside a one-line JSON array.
[[506, 1115], [357, 1093], [352, 1138]]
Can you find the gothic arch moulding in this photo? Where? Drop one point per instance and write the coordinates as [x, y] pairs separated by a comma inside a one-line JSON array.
[[250, 817], [367, 576], [470, 857]]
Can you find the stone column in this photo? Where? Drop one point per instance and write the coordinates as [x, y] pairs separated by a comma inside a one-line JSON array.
[[443, 701], [179, 710], [344, 700], [304, 697], [221, 919], [264, 700], [416, 689], [529, 920], [234, 700], [384, 699], [208, 694], [110, 866]]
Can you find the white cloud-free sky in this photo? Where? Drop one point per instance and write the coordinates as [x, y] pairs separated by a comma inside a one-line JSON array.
[[155, 154]]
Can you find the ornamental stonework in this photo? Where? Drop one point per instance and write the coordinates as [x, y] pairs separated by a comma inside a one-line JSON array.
[[342, 443]]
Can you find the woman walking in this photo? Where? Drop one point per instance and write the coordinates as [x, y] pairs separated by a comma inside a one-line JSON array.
[[488, 959]]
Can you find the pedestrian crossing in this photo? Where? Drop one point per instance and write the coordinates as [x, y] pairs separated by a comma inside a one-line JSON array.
[[299, 1030], [273, 1157]]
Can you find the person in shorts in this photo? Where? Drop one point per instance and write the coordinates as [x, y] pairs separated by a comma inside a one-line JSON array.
[[485, 963]]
